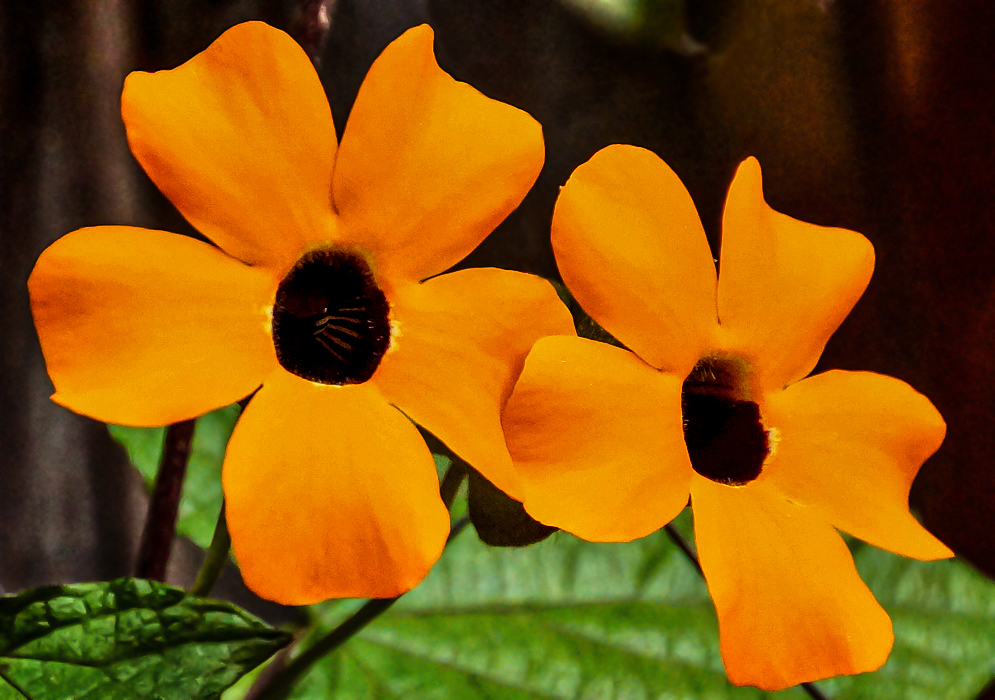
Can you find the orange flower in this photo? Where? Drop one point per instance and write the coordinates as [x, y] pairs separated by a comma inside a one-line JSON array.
[[315, 293], [711, 402]]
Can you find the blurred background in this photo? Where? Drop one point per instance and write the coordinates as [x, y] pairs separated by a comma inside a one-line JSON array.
[[873, 115]]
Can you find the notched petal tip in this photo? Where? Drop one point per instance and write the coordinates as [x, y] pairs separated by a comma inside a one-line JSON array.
[[784, 285], [933, 428], [851, 445], [631, 249], [776, 679], [791, 606], [749, 176], [240, 139], [935, 550], [258, 35], [421, 35], [429, 166]]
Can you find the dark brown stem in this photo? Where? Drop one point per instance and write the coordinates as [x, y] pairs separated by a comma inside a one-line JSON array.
[[813, 691], [282, 684], [269, 675], [160, 524], [682, 544]]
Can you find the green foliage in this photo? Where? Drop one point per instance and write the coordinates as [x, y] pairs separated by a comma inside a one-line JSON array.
[[570, 619], [125, 640], [661, 23], [200, 502]]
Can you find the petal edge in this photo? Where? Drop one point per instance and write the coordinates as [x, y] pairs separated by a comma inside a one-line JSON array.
[[631, 249], [462, 340], [330, 493], [142, 327], [428, 166], [790, 603], [851, 445], [784, 285], [240, 139], [596, 435]]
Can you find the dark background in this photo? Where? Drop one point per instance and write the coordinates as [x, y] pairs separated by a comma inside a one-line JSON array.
[[875, 115]]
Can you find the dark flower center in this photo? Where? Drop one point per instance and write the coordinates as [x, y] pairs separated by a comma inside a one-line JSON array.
[[331, 322], [725, 437]]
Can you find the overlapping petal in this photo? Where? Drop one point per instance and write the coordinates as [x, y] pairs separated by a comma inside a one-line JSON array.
[[784, 285], [850, 445], [631, 249], [428, 166], [790, 603], [240, 138], [596, 435], [143, 327], [461, 341], [330, 493]]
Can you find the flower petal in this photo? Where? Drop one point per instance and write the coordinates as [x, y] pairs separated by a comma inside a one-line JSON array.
[[790, 603], [784, 285], [597, 437], [429, 166], [144, 327], [330, 493], [240, 138], [631, 249], [849, 446], [462, 339]]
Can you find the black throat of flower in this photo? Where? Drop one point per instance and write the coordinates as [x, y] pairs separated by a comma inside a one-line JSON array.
[[331, 322], [724, 434]]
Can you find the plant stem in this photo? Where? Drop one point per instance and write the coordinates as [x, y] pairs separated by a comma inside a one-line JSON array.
[[269, 675], [283, 683], [160, 524], [217, 557], [813, 691], [682, 544], [451, 481], [279, 686]]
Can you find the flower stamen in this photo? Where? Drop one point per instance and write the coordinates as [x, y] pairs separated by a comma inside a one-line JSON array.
[[332, 350], [328, 332]]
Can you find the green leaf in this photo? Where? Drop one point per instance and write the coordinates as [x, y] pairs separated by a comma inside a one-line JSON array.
[[200, 501], [125, 640], [570, 619]]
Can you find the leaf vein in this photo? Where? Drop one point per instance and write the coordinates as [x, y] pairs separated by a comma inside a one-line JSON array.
[[470, 673]]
